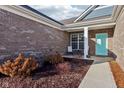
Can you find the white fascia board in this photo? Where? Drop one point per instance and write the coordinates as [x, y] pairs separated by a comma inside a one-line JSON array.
[[87, 23], [91, 27], [30, 15]]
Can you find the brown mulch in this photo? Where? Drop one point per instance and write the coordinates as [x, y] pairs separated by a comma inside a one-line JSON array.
[[118, 74], [49, 78]]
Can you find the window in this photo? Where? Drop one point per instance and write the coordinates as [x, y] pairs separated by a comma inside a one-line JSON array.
[[74, 41], [77, 41]]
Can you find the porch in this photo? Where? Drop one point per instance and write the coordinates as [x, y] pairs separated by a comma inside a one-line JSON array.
[[94, 58], [91, 42]]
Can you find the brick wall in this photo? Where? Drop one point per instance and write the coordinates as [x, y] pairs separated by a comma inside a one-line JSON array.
[[118, 40], [21, 34]]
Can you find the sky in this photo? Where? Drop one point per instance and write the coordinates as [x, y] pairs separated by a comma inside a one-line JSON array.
[[60, 12]]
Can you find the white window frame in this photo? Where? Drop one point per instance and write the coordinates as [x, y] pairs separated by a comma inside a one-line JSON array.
[[77, 39]]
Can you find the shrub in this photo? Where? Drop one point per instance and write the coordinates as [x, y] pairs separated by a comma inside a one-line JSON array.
[[63, 67], [54, 58], [19, 66]]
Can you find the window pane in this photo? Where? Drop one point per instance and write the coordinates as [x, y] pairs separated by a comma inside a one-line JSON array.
[[81, 37], [81, 45], [74, 45], [74, 37]]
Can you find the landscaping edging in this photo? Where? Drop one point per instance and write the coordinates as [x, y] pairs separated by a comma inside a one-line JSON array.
[[118, 74]]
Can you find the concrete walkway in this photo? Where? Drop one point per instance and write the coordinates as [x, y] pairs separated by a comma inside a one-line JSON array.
[[98, 76]]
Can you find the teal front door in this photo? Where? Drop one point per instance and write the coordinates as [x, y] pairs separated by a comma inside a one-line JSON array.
[[102, 44]]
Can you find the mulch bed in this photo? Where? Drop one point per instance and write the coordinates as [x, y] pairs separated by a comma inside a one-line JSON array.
[[118, 74], [48, 78]]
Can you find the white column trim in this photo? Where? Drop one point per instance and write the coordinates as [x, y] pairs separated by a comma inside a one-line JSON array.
[[86, 47]]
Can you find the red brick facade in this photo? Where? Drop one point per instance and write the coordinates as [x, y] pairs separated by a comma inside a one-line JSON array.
[[118, 40], [21, 34]]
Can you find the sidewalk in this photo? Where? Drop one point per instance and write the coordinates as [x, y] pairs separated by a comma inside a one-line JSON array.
[[98, 76]]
